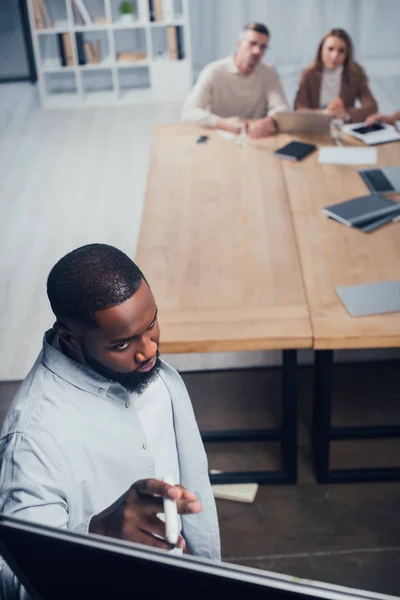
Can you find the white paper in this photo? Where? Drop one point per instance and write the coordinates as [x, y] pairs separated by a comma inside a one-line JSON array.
[[342, 155], [239, 492], [226, 134]]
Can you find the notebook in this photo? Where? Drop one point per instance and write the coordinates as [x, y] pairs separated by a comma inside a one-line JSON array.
[[384, 180], [371, 298], [368, 226], [361, 211], [377, 133], [295, 151]]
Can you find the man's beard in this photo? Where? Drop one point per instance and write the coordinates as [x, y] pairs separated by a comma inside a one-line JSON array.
[[133, 381]]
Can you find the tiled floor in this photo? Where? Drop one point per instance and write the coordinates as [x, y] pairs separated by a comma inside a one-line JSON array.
[[346, 534]]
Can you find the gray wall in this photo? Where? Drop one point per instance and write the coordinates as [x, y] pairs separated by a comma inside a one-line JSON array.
[[296, 28]]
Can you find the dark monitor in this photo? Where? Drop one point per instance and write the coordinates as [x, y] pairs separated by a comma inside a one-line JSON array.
[[54, 564]]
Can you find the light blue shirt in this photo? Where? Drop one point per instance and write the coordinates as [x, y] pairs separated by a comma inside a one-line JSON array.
[[72, 444]]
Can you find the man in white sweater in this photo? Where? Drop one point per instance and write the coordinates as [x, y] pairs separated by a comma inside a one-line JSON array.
[[231, 90]]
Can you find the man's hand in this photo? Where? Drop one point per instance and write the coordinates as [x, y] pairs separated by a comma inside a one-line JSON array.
[[261, 128], [133, 517], [232, 124]]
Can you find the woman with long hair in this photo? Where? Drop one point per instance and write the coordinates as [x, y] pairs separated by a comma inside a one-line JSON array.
[[334, 81]]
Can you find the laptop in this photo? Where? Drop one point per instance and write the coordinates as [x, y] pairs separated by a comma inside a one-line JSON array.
[[377, 133], [383, 181], [371, 298], [54, 564], [303, 122]]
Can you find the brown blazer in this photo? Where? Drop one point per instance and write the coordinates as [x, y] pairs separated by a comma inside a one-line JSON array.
[[354, 87]]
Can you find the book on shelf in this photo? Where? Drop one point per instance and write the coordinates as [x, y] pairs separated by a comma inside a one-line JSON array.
[[77, 16], [96, 48], [100, 20], [80, 48], [92, 50], [172, 43], [175, 43], [61, 51], [161, 10], [83, 12], [151, 10], [131, 57], [41, 13], [179, 39], [65, 49], [158, 10], [37, 13]]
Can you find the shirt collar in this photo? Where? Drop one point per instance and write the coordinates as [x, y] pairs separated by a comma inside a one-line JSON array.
[[231, 66], [338, 71], [73, 372]]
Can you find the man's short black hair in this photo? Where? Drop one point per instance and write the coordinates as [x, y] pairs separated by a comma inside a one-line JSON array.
[[90, 278], [258, 27]]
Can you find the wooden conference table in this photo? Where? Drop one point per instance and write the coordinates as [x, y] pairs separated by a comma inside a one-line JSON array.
[[332, 255], [218, 248], [240, 257]]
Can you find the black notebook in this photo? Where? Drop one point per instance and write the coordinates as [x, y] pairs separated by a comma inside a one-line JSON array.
[[385, 180], [365, 212], [295, 150]]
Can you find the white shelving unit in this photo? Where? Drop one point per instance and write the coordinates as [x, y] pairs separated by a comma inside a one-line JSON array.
[[155, 78]]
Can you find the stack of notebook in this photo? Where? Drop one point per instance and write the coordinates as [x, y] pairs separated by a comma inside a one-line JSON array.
[[370, 212], [365, 212]]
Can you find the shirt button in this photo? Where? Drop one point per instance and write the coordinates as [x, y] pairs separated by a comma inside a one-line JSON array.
[[101, 391], [127, 404], [144, 446]]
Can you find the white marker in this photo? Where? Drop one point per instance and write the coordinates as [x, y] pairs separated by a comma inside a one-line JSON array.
[[171, 516]]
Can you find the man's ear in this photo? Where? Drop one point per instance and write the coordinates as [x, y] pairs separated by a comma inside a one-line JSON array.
[[69, 340]]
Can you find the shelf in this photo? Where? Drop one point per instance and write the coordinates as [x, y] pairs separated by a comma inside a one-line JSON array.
[[60, 26], [174, 23], [136, 96], [63, 101], [123, 64], [63, 26], [84, 28], [148, 75], [165, 60], [129, 24], [105, 63], [100, 98], [52, 65]]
